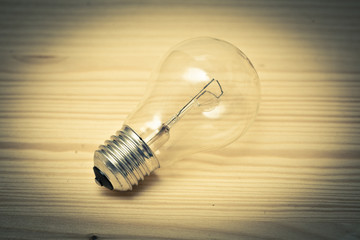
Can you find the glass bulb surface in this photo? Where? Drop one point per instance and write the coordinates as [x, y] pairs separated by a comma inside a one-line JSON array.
[[204, 95]]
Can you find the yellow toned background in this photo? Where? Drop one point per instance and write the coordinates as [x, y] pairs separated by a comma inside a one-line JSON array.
[[71, 71]]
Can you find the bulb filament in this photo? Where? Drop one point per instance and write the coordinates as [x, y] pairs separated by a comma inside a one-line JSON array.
[[202, 98], [207, 96]]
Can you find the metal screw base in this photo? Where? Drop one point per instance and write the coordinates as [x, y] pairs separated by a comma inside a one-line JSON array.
[[125, 159]]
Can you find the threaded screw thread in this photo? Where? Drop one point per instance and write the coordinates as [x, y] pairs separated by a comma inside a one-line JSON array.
[[128, 158]]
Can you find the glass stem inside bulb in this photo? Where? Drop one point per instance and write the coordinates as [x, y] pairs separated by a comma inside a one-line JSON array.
[[207, 97]]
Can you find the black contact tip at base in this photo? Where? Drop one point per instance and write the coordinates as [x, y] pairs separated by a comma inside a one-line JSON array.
[[101, 179]]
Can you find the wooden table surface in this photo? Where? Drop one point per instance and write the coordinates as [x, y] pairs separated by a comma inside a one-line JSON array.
[[71, 71]]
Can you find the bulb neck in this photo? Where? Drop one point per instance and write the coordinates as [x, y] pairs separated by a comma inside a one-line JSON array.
[[125, 159]]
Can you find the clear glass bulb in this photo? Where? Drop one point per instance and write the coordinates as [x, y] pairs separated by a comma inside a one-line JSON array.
[[204, 95]]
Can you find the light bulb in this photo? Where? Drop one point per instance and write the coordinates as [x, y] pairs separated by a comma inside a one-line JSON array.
[[203, 96]]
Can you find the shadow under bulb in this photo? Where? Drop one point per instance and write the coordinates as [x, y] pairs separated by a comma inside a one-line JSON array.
[[204, 95]]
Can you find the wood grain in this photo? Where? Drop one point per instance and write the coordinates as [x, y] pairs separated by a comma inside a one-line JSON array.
[[71, 71]]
